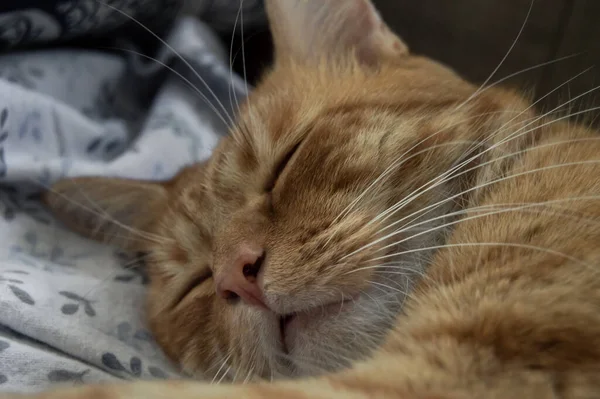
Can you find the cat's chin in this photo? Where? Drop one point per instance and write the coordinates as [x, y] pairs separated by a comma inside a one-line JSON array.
[[293, 326]]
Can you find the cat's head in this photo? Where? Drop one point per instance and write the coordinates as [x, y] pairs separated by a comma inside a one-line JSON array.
[[290, 251]]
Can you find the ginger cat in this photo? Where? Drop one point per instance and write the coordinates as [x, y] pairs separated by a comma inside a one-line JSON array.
[[374, 226]]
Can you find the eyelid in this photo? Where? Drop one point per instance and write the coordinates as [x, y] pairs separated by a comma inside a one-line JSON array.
[[281, 166], [196, 281]]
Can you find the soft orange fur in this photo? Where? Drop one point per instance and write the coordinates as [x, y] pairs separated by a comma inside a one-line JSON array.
[[499, 220]]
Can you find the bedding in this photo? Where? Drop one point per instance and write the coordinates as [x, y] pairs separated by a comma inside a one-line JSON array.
[[35, 22], [71, 310]]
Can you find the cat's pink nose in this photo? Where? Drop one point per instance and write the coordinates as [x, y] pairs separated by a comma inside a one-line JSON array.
[[239, 278]]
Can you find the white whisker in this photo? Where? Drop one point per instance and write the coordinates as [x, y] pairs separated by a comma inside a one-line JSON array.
[[392, 210], [514, 43], [389, 288], [224, 375], [495, 212], [223, 364], [443, 175], [185, 80], [433, 206], [402, 160], [231, 86], [104, 215], [487, 244], [175, 52], [249, 375]]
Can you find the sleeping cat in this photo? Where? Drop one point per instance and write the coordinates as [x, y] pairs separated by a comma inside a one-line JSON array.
[[374, 226]]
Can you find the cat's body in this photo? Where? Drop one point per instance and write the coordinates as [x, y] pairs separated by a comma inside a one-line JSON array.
[[392, 158]]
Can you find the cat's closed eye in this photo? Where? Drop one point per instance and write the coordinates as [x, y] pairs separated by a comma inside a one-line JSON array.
[[200, 279], [281, 167]]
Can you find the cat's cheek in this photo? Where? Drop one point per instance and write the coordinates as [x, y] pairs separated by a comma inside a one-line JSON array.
[[184, 328], [304, 328], [253, 324], [251, 336]]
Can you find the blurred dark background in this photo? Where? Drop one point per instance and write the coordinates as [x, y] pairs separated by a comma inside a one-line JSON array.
[[473, 36]]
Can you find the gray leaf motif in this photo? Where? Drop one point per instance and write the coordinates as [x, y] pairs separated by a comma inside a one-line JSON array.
[[123, 331], [2, 163], [3, 117], [131, 337], [157, 373], [72, 308], [93, 145], [111, 361], [22, 295], [66, 376], [107, 146], [11, 280], [71, 295], [143, 335], [31, 126], [89, 310], [3, 379], [125, 278], [136, 366], [69, 308]]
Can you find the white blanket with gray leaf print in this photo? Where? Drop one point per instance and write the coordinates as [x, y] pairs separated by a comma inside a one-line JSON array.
[[70, 309]]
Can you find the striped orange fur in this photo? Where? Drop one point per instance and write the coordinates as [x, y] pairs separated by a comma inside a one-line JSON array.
[[432, 239]]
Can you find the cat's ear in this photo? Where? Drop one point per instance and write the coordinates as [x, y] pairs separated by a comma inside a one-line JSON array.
[[116, 211], [313, 29]]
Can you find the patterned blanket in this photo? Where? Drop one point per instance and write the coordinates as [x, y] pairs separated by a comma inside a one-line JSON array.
[[71, 309]]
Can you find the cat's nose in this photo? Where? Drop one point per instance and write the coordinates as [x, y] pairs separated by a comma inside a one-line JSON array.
[[239, 278]]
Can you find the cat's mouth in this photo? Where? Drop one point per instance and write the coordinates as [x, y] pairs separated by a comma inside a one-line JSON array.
[[284, 321], [290, 324]]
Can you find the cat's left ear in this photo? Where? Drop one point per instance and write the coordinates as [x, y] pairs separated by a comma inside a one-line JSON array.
[[122, 212], [314, 29]]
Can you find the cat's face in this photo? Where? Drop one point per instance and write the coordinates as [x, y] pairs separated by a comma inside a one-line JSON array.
[[276, 257]]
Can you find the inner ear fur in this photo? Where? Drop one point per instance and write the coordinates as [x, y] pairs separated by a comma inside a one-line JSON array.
[[112, 210], [309, 30]]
